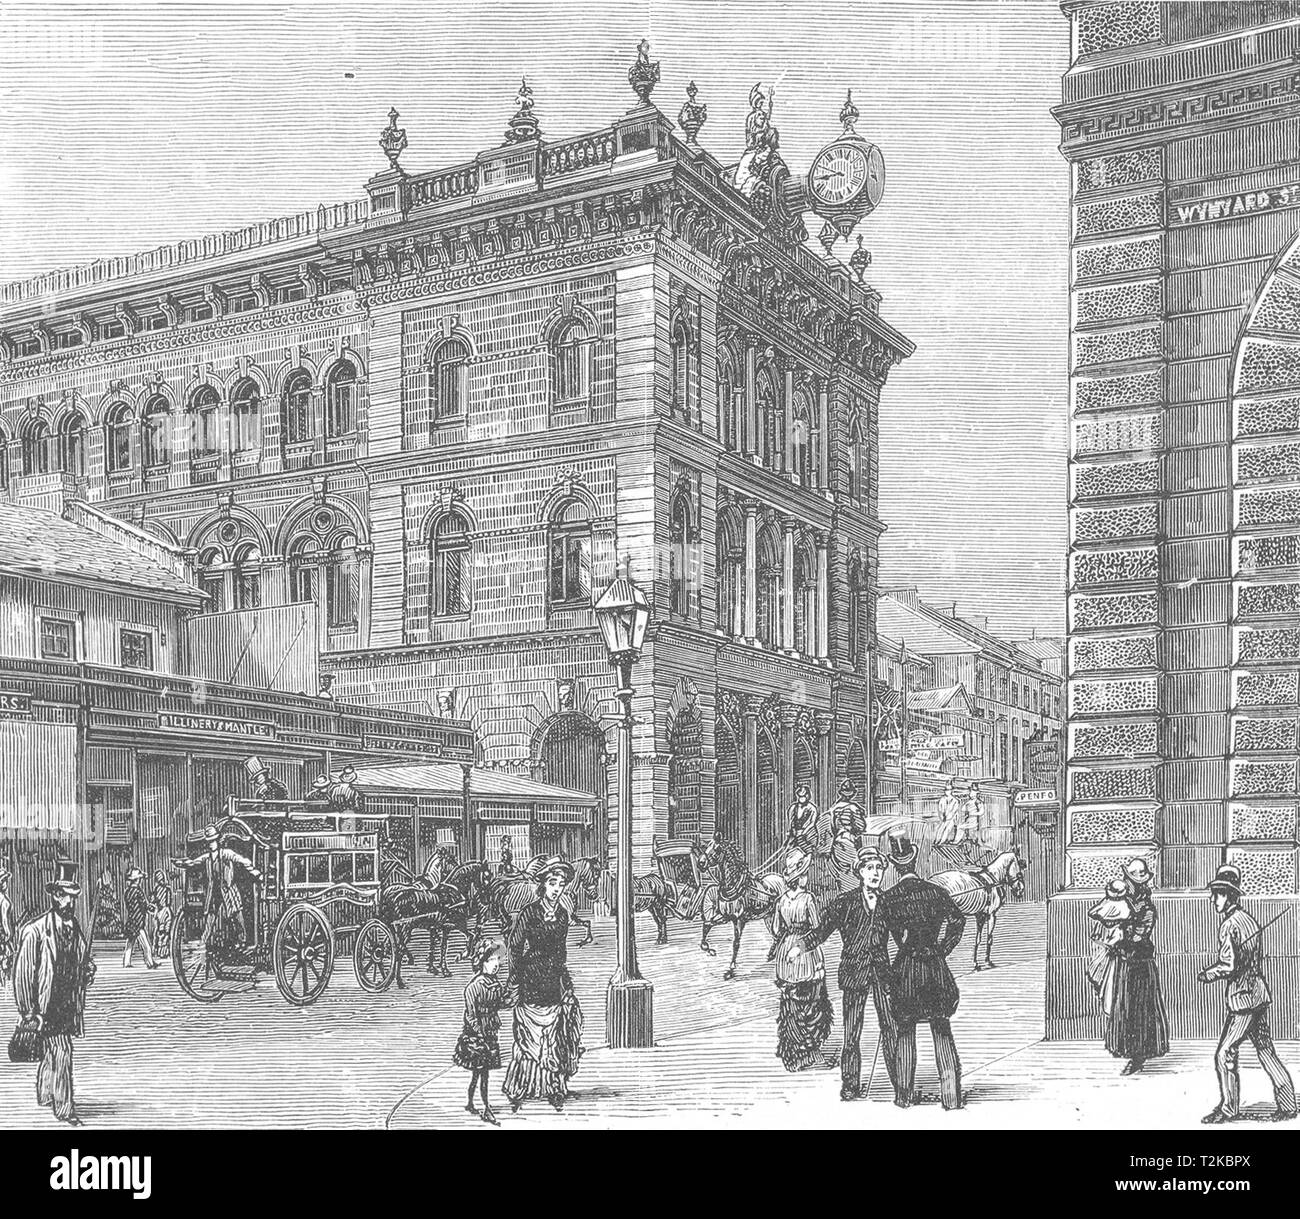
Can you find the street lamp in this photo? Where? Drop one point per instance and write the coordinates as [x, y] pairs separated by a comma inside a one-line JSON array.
[[624, 613]]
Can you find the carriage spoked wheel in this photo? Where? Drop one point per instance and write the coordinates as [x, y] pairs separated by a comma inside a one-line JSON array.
[[197, 970], [303, 953], [374, 956]]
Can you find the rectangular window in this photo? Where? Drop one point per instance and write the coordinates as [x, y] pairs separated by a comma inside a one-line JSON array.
[[29, 347], [291, 294], [451, 591], [58, 639], [114, 330], [156, 321], [242, 304], [200, 313], [137, 649], [67, 338], [450, 391]]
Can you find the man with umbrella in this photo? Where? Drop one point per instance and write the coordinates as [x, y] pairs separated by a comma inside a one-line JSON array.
[[50, 979]]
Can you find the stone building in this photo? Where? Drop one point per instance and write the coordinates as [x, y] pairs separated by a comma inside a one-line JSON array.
[[445, 412], [1181, 124]]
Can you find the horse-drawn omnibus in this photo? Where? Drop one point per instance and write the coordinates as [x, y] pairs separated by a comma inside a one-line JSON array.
[[316, 893]]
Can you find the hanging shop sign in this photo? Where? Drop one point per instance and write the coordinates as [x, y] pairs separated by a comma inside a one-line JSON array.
[[1045, 795], [15, 706]]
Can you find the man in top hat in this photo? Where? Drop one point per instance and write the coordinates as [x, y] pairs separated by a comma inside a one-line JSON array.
[[848, 825], [223, 908], [859, 917], [1248, 997], [265, 785], [137, 907], [50, 980], [926, 925], [8, 927]]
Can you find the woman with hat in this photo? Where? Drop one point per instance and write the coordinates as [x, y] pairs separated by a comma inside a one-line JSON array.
[[803, 1020], [1136, 1028], [848, 826], [548, 1020], [1110, 914], [809, 832]]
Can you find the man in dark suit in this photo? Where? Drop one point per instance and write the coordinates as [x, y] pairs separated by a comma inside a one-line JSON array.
[[927, 925], [859, 917]]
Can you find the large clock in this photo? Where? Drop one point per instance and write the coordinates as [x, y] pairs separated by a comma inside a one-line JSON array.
[[849, 174]]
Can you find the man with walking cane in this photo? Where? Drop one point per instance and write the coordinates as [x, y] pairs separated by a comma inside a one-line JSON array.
[[50, 979], [1248, 998], [859, 917]]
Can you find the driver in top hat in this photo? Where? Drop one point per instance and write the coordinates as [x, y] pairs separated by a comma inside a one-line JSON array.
[[50, 979], [224, 903]]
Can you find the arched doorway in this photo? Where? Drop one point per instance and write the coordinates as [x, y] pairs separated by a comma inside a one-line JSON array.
[[728, 799], [569, 750], [856, 770], [685, 744]]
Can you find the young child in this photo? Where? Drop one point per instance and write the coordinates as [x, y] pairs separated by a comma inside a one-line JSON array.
[[1110, 915], [478, 1050]]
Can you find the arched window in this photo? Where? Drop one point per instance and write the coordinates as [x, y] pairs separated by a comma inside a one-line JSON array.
[[729, 557], [572, 352], [117, 437], [449, 592], [769, 589], [341, 400], [248, 577], [449, 383], [212, 578], [728, 416], [682, 575], [570, 549], [155, 433], [304, 569], [769, 428], [854, 457], [4, 460], [205, 413], [801, 442], [245, 418], [805, 604], [295, 407], [36, 447], [683, 374], [342, 583], [72, 445]]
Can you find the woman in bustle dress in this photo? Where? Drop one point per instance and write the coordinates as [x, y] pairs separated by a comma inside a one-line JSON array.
[[548, 1020], [803, 1020], [1137, 1028]]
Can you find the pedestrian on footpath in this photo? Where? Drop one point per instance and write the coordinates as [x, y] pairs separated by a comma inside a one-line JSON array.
[[8, 928], [50, 979], [479, 1049], [1248, 998], [162, 907], [848, 825], [927, 925], [950, 822], [804, 1017], [136, 909], [859, 917], [1137, 1028]]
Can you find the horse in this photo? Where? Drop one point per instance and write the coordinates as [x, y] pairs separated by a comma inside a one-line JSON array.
[[407, 902], [503, 897], [734, 897], [981, 893]]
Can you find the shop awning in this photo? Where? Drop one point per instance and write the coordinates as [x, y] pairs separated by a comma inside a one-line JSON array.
[[445, 780]]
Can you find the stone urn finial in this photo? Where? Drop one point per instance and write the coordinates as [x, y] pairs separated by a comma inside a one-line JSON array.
[[393, 139], [693, 115], [643, 75], [524, 125]]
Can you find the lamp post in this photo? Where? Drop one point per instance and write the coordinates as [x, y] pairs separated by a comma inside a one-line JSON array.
[[624, 613]]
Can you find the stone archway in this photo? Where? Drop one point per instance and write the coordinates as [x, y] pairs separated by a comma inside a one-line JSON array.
[[569, 750]]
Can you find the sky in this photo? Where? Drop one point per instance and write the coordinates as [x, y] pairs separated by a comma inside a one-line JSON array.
[[124, 126]]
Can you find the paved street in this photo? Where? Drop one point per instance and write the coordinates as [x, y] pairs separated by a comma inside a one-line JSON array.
[[153, 1058]]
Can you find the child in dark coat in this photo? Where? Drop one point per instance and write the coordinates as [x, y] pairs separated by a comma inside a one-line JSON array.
[[478, 1049]]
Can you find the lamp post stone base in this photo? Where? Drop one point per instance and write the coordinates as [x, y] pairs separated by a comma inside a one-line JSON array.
[[629, 1014]]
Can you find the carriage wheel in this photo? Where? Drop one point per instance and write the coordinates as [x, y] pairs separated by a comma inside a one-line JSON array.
[[374, 956], [197, 972], [303, 952]]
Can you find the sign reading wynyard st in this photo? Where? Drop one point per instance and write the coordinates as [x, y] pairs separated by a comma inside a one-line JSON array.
[[1225, 207], [180, 721]]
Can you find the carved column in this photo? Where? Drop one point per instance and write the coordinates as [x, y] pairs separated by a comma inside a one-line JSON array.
[[750, 439], [788, 715], [316, 420], [751, 569], [826, 785], [787, 415], [787, 589], [823, 437], [749, 771], [821, 636]]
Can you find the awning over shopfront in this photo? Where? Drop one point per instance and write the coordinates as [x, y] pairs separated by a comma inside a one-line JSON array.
[[445, 781]]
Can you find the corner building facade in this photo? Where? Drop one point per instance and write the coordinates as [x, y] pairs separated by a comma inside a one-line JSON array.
[[1181, 124], [448, 411]]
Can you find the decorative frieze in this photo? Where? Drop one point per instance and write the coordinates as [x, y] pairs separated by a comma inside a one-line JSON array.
[[1126, 740], [1101, 697], [1126, 609], [1113, 393]]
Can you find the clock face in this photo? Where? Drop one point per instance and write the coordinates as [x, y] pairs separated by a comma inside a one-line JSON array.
[[843, 173]]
